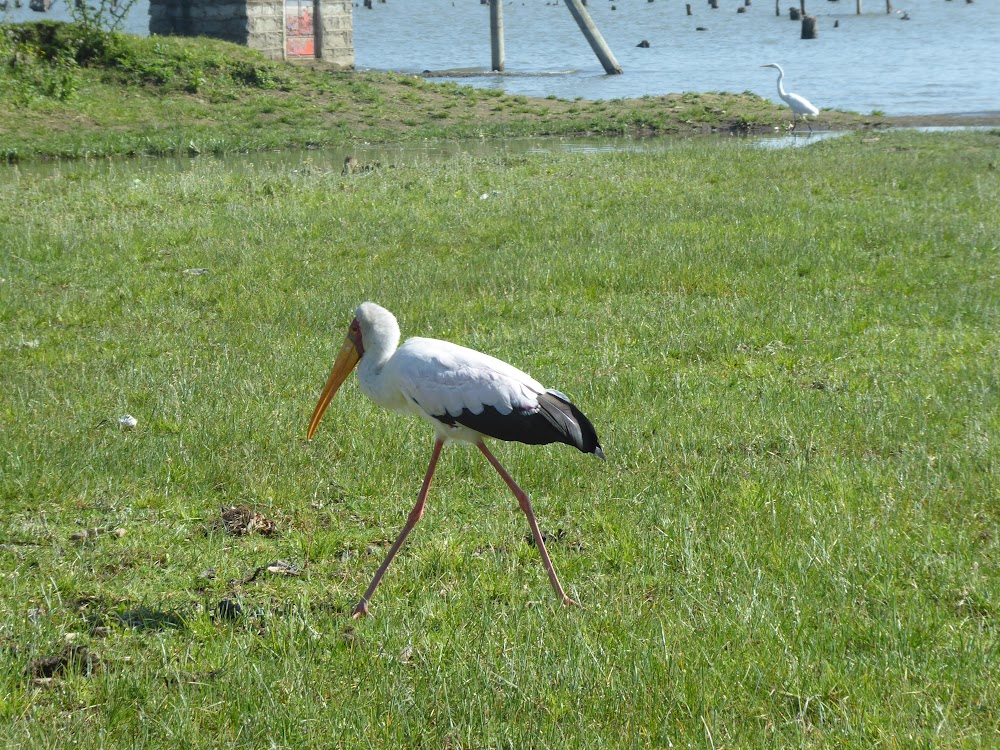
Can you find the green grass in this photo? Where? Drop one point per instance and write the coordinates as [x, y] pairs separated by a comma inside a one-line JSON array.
[[791, 359], [69, 92]]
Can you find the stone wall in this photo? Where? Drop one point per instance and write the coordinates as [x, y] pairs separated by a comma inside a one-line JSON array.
[[259, 24], [335, 32]]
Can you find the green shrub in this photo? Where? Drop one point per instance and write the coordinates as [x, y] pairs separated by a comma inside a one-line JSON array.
[[256, 75], [33, 71]]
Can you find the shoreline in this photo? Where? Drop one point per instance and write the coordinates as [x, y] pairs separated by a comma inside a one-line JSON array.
[[951, 119], [133, 96]]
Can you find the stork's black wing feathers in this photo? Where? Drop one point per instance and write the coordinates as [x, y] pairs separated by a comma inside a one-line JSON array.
[[555, 420]]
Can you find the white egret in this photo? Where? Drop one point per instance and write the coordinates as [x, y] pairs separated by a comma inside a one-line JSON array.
[[800, 105]]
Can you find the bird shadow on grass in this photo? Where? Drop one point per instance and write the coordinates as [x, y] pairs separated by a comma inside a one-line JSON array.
[[100, 618], [149, 618]]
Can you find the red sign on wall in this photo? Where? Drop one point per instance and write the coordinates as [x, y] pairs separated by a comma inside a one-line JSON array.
[[300, 32]]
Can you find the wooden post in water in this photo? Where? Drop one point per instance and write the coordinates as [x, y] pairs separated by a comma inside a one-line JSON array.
[[593, 36], [689, 9], [794, 14], [496, 34], [802, 6], [859, 7], [888, 7], [777, 7], [808, 27]]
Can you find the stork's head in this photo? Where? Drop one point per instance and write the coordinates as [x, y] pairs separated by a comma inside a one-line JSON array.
[[373, 326], [772, 65]]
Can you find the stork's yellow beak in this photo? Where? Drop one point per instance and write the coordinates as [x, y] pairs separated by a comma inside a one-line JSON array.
[[345, 362]]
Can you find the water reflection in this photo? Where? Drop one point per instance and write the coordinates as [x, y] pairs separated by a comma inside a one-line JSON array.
[[796, 140], [367, 157]]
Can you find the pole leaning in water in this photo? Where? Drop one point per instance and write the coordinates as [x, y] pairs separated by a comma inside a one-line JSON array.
[[597, 43]]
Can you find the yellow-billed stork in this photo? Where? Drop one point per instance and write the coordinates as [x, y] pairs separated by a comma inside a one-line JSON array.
[[465, 395]]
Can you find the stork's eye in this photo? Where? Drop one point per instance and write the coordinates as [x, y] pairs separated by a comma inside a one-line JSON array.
[[355, 332]]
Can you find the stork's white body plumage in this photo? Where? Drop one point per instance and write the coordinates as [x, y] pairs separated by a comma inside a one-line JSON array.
[[801, 107], [456, 390], [464, 394], [428, 377]]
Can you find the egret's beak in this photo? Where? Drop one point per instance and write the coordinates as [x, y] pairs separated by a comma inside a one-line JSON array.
[[349, 355]]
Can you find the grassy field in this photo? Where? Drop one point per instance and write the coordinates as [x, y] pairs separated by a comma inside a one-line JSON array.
[[792, 359], [69, 92]]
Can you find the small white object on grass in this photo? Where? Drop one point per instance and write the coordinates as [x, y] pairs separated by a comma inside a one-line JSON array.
[[127, 422]]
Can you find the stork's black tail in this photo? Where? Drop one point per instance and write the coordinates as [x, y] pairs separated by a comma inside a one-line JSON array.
[[571, 423]]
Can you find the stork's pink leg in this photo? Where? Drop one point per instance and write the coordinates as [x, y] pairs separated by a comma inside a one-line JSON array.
[[411, 521], [525, 503]]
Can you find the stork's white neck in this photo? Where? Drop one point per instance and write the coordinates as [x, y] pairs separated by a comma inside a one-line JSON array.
[[380, 337]]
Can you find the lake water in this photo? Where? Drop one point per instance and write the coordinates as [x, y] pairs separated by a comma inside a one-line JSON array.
[[944, 59]]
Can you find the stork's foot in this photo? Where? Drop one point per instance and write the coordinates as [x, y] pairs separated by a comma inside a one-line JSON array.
[[567, 602], [361, 610]]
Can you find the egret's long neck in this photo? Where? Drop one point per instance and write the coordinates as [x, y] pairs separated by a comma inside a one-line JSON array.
[[781, 89]]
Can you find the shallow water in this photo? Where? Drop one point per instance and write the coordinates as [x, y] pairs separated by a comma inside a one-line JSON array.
[[944, 59], [331, 160], [305, 162]]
